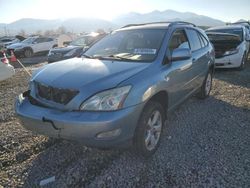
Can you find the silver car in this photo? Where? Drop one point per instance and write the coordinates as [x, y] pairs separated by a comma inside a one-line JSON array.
[[120, 91]]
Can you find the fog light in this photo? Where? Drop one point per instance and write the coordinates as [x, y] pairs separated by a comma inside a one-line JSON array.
[[109, 134]]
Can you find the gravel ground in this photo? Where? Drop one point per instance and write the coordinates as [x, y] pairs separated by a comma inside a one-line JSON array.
[[205, 144]]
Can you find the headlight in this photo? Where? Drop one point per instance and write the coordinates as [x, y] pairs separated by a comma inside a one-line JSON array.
[[70, 53], [109, 100], [231, 52]]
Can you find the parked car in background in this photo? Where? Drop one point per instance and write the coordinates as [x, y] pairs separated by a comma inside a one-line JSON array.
[[6, 70], [75, 48], [247, 26], [120, 91], [5, 41], [231, 45], [32, 45]]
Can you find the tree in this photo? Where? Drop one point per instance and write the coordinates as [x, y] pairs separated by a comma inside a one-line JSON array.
[[22, 33], [100, 31], [50, 32], [38, 32], [61, 30]]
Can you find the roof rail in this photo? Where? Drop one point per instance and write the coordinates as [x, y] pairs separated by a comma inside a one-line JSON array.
[[181, 23], [243, 22], [170, 23]]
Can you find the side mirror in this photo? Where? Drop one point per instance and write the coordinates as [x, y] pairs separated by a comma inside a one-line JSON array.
[[179, 54]]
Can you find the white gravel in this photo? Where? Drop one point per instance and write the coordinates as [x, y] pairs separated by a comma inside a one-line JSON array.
[[205, 144]]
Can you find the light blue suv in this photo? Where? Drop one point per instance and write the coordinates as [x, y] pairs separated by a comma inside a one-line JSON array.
[[120, 91]]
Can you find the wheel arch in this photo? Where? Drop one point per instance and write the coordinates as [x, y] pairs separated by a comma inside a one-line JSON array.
[[162, 98]]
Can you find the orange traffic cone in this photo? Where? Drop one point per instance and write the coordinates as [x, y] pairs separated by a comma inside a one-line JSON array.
[[12, 57]]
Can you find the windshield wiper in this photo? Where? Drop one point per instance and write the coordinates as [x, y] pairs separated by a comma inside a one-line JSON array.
[[88, 56], [109, 57]]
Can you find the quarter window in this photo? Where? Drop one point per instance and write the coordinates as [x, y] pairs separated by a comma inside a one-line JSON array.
[[203, 40]]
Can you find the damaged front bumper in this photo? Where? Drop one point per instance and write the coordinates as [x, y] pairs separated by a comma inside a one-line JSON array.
[[98, 129]]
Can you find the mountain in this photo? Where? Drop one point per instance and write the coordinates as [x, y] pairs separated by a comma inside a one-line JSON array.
[[78, 25], [167, 15]]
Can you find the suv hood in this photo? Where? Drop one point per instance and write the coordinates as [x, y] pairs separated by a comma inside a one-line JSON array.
[[80, 73]]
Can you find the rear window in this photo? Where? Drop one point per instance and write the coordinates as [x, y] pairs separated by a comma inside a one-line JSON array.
[[236, 31]]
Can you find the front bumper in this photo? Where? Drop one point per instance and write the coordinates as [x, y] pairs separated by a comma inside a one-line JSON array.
[[80, 126], [232, 61]]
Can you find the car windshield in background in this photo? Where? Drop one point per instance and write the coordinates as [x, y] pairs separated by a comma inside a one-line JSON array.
[[79, 42], [235, 31], [28, 40], [130, 45]]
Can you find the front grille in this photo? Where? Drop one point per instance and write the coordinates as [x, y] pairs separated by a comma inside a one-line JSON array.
[[58, 95]]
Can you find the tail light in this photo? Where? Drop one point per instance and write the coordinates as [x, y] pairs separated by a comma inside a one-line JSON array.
[[4, 59]]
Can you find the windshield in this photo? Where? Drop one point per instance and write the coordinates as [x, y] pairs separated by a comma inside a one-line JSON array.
[[131, 45], [79, 42], [28, 40], [236, 31]]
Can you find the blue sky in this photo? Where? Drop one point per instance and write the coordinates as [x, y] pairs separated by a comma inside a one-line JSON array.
[[226, 10]]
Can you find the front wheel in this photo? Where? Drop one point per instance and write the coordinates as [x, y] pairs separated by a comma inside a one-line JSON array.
[[206, 86], [148, 132]]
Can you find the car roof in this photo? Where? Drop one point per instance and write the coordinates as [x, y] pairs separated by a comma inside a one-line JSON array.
[[226, 27], [155, 25]]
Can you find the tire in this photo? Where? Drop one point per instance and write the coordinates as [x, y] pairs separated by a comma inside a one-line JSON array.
[[146, 134], [206, 86], [28, 52], [243, 62]]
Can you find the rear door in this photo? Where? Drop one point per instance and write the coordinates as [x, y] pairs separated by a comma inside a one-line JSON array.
[[200, 56]]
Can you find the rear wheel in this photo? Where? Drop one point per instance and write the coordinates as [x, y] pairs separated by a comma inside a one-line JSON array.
[[28, 52], [206, 86], [148, 132]]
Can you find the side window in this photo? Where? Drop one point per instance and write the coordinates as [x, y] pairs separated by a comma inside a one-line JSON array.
[[178, 40], [194, 39], [203, 41], [39, 40], [48, 39]]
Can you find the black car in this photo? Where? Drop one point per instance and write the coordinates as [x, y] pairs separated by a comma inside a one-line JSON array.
[[74, 49]]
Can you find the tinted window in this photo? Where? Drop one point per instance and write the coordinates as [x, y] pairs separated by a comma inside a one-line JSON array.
[[79, 42], [133, 45], [194, 39], [39, 40], [29, 40], [48, 39]]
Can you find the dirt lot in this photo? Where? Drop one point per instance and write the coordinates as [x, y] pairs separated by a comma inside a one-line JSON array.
[[205, 144]]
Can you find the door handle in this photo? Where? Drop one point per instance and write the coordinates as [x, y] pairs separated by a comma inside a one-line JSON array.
[[193, 60]]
